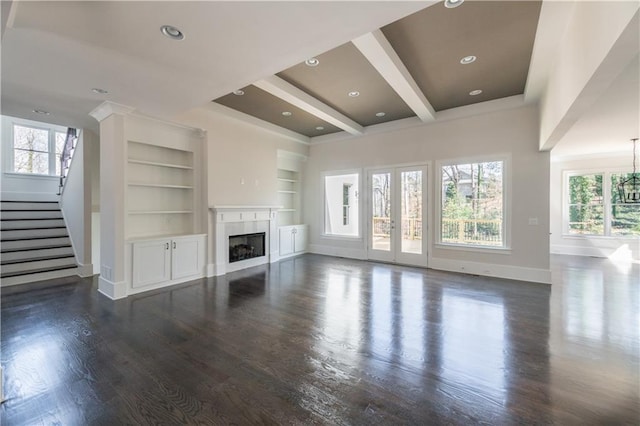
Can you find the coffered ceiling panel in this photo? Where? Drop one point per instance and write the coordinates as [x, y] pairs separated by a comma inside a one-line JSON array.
[[342, 73], [260, 104], [432, 42]]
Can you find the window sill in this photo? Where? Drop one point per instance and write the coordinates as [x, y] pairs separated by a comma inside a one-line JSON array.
[[477, 249], [599, 237], [341, 237], [30, 175]]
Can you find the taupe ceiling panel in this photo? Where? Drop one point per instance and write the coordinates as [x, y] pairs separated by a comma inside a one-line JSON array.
[[265, 106], [343, 70], [432, 42]]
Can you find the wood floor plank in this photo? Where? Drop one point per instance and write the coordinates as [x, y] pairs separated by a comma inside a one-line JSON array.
[[322, 340]]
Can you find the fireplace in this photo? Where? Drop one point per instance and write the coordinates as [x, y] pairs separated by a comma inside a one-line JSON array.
[[237, 226], [246, 246]]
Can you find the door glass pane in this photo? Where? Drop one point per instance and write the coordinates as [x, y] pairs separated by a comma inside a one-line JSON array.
[[411, 211], [381, 211]]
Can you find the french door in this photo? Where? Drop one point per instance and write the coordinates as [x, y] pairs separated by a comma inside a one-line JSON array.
[[397, 212]]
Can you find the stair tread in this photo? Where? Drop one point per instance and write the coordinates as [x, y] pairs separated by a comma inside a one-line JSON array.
[[36, 259], [31, 218], [28, 201], [35, 238], [38, 271], [46, 247], [31, 229]]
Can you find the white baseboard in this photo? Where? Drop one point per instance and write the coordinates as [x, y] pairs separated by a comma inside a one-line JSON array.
[[358, 254], [86, 270], [493, 270], [582, 251], [211, 270], [113, 290]]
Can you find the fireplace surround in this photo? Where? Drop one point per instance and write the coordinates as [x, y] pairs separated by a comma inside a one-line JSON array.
[[232, 221]]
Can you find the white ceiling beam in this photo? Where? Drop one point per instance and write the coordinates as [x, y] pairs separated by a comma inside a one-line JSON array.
[[377, 49], [291, 94]]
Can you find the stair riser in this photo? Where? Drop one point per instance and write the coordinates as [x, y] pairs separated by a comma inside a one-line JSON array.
[[10, 245], [25, 224], [35, 233], [31, 215], [25, 205], [26, 255], [29, 266]]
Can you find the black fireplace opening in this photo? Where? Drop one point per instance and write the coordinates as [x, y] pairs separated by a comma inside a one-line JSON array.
[[246, 246]]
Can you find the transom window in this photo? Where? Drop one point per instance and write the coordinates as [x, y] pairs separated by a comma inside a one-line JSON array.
[[472, 208], [593, 206]]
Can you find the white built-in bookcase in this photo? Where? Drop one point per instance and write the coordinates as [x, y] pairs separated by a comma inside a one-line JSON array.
[[160, 190], [288, 197]]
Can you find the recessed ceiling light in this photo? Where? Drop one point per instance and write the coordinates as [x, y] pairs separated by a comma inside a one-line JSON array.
[[99, 91], [475, 92], [238, 92], [172, 32], [319, 128], [41, 111], [450, 4], [380, 114], [312, 62], [468, 59], [354, 94], [286, 113]]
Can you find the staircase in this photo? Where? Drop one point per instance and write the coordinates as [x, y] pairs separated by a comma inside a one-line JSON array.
[[34, 243]]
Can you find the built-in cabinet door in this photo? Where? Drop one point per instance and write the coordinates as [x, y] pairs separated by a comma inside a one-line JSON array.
[[185, 259], [151, 262], [286, 241], [300, 239]]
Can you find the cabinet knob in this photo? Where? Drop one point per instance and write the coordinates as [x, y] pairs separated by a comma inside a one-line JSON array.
[[166, 246], [174, 244]]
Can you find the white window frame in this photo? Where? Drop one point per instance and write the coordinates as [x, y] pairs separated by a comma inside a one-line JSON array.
[[361, 200], [506, 203], [606, 173], [8, 124]]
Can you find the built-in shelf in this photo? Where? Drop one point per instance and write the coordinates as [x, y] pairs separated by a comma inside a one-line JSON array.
[[287, 192], [162, 188], [154, 163], [160, 185], [287, 180], [287, 210], [161, 212]]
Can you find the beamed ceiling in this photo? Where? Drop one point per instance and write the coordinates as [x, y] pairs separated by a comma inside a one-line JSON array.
[[425, 47]]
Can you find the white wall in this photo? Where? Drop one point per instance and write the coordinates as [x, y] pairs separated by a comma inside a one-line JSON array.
[[242, 159], [333, 208], [513, 133], [580, 245]]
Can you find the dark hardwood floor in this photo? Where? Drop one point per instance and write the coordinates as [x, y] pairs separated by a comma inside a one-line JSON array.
[[321, 340]]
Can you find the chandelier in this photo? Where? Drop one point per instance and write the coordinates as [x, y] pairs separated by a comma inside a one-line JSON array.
[[629, 189]]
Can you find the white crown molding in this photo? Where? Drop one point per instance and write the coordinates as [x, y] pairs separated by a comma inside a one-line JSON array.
[[107, 108], [377, 49]]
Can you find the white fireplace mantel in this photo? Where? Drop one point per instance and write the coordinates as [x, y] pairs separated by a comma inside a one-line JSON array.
[[232, 220]]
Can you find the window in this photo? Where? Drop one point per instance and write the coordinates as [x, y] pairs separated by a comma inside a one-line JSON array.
[[346, 189], [472, 209], [341, 205], [37, 150], [593, 206]]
